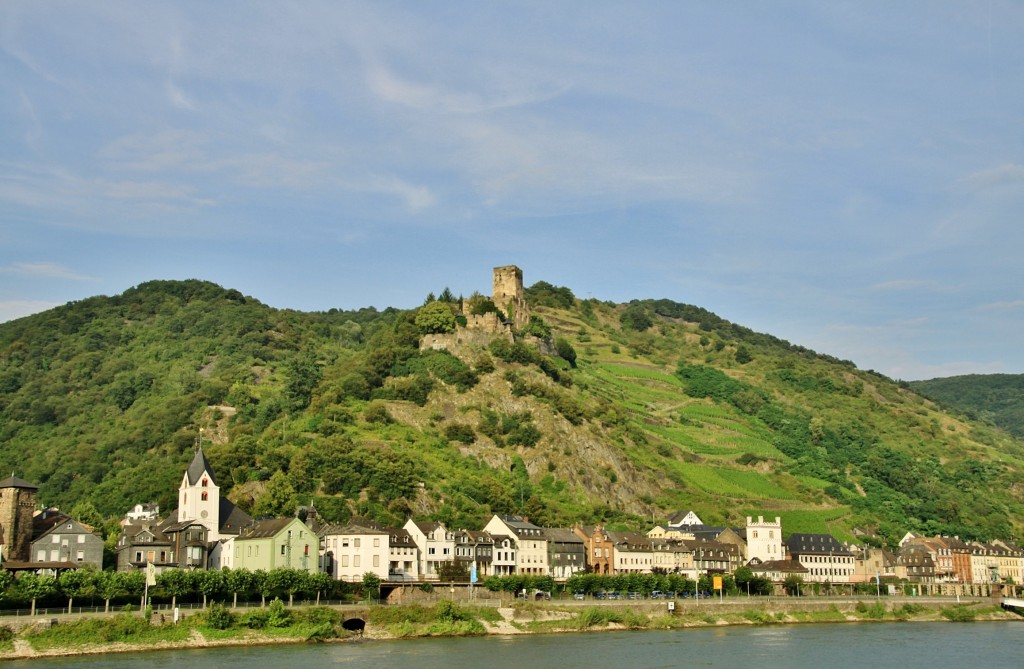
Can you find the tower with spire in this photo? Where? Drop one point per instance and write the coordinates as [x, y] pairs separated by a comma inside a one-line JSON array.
[[199, 496]]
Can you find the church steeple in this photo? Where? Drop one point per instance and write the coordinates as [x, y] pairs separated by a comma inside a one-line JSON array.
[[199, 495]]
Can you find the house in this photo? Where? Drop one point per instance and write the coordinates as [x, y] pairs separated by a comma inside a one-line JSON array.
[[714, 557], [352, 550], [871, 564], [671, 556], [567, 553], [914, 563], [505, 559], [57, 537], [474, 550], [684, 519], [403, 556], [984, 568], [633, 553], [531, 543], [436, 544], [598, 547], [777, 571], [144, 542], [273, 544], [827, 560], [666, 532], [141, 512]]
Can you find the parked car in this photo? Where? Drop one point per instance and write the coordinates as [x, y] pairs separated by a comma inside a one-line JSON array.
[[657, 594], [579, 595]]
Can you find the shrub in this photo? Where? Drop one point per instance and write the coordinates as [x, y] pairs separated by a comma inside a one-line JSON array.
[[460, 432], [278, 615], [218, 617], [959, 614]]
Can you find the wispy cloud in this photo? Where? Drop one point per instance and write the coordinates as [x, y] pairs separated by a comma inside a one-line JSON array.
[[1013, 305], [47, 270], [1008, 174]]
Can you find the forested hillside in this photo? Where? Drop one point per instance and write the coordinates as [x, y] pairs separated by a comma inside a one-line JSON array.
[[996, 398], [634, 411]]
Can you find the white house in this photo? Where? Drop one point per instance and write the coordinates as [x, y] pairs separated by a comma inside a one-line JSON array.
[[350, 551]]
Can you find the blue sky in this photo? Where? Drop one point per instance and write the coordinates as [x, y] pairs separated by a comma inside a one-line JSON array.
[[847, 176]]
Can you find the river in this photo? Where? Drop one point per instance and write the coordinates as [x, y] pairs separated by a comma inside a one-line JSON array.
[[992, 645]]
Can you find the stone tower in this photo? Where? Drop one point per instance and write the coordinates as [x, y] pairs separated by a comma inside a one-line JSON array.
[[764, 539], [509, 295], [17, 504]]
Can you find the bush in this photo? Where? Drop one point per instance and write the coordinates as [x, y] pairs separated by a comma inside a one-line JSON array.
[[278, 615], [959, 614], [460, 432], [218, 617]]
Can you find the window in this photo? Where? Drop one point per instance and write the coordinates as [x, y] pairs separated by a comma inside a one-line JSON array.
[[41, 556], [376, 542], [81, 538], [56, 539], [205, 496], [355, 543], [376, 560], [282, 549], [355, 561], [344, 560], [205, 482], [138, 555]]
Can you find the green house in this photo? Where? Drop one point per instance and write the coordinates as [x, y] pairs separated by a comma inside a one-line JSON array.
[[275, 544]]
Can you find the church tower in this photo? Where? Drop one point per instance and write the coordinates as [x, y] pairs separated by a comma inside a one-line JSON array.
[[199, 496], [17, 504]]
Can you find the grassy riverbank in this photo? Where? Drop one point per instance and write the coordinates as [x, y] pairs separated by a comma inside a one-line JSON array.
[[217, 626]]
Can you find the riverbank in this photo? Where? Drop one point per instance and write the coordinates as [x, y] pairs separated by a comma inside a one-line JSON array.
[[128, 633]]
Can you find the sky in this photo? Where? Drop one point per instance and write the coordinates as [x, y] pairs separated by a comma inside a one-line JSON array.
[[848, 176]]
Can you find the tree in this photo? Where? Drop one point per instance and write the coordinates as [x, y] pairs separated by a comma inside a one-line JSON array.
[[435, 318], [452, 571], [35, 586], [176, 583], [263, 584], [371, 583], [76, 582], [236, 581], [565, 350], [210, 583], [635, 317], [793, 583], [278, 498], [320, 582], [109, 585]]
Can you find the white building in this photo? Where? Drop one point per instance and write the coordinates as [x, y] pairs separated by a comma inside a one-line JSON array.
[[764, 539], [436, 544], [531, 543], [350, 551]]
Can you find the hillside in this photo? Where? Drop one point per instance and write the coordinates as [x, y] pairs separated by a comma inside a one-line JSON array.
[[996, 398], [668, 407]]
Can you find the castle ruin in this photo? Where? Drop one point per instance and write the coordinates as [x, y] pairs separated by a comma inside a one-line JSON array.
[[508, 296]]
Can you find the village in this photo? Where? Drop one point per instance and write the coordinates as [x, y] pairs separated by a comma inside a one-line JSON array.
[[208, 532]]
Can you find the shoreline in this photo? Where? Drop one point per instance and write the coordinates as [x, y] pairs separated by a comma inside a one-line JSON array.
[[544, 619]]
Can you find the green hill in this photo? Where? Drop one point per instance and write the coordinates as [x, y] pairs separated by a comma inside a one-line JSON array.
[[667, 407], [996, 398]]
